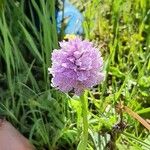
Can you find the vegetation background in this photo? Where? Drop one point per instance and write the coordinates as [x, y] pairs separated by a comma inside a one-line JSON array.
[[53, 120]]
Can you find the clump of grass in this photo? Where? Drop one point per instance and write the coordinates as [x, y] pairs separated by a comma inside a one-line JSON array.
[[121, 29], [24, 58]]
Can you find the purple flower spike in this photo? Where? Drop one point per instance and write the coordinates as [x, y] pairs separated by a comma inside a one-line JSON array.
[[77, 66]]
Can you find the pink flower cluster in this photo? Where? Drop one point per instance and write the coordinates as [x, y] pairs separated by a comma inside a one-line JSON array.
[[76, 66]]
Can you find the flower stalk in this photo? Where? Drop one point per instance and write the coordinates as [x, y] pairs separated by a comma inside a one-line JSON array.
[[84, 137]]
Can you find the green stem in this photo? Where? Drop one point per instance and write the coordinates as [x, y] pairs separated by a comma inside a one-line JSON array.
[[84, 140]]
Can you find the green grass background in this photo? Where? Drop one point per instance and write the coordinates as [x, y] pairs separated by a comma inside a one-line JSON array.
[[53, 120]]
